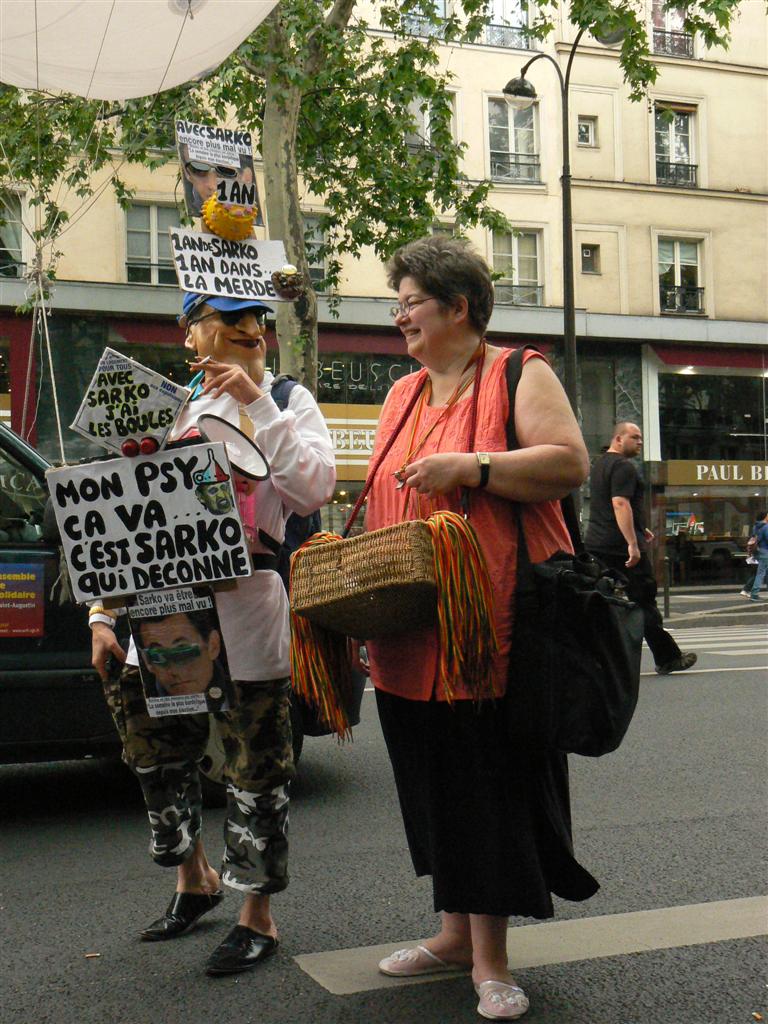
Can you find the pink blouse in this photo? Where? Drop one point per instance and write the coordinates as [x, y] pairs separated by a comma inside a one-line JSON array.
[[406, 665]]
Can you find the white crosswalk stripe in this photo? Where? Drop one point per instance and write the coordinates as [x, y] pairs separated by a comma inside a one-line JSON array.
[[727, 641]]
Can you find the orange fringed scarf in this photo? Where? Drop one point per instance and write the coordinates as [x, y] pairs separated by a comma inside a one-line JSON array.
[[321, 659]]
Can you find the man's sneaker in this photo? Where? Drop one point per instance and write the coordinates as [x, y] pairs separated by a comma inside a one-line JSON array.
[[744, 593], [756, 599], [678, 664]]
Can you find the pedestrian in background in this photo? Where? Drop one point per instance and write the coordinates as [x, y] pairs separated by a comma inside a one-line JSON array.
[[761, 533], [617, 536], [751, 562]]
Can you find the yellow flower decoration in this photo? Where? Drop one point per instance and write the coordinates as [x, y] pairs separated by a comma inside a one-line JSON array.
[[231, 222]]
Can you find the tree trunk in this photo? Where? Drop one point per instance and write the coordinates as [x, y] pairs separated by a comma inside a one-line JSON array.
[[296, 321]]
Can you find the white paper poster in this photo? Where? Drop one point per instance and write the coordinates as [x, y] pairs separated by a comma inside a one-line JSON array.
[[216, 161], [149, 523], [211, 265], [127, 400], [182, 658]]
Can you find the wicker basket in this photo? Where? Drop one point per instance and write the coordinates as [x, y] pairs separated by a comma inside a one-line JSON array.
[[378, 584]]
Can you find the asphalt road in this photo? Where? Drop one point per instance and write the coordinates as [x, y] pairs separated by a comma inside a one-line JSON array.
[[675, 818]]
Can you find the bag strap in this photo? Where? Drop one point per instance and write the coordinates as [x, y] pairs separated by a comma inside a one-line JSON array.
[[282, 386], [514, 370], [384, 452]]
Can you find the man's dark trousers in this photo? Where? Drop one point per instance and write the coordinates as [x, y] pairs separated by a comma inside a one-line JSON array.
[[642, 589]]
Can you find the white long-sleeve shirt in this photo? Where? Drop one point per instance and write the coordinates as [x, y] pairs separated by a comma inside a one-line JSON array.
[[297, 446]]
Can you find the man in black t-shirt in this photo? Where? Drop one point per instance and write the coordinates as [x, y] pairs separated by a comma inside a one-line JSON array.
[[618, 537]]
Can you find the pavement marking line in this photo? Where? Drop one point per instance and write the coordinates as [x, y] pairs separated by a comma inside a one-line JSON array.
[[702, 671], [346, 971]]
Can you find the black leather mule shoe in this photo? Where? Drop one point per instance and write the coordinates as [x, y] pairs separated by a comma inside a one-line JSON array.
[[242, 949], [183, 910]]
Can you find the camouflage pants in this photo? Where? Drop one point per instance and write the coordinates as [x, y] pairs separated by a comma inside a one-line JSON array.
[[164, 754]]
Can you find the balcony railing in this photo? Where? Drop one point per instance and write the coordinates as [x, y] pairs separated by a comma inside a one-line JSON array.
[[515, 167], [512, 37], [681, 299], [683, 175], [519, 294], [672, 44], [416, 25]]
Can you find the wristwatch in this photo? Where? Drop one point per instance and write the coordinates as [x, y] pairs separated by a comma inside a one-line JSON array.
[[484, 462]]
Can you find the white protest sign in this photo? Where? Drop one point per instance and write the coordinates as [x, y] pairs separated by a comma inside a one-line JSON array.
[[167, 520], [216, 161], [128, 400], [211, 265]]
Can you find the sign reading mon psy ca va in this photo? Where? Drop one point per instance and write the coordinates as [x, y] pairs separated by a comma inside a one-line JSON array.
[[681, 472], [131, 525]]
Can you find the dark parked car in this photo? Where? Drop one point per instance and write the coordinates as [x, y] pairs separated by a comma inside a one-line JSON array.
[[51, 701]]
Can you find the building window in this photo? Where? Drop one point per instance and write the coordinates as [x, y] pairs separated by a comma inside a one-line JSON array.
[[674, 145], [590, 259], [314, 240], [509, 25], [149, 259], [679, 276], [513, 143], [420, 110], [419, 24], [586, 131], [668, 35], [11, 235], [705, 415], [598, 401], [516, 258]]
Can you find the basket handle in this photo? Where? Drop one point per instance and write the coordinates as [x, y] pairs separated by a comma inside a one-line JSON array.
[[385, 451]]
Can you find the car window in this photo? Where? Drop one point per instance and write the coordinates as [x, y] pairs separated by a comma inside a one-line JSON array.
[[22, 500]]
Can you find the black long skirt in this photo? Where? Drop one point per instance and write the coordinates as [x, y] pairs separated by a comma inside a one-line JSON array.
[[490, 825]]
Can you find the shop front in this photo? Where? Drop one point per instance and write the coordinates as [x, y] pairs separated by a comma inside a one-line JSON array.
[[705, 512]]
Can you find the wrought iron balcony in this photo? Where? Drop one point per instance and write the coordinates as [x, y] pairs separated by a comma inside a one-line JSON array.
[[515, 167], [416, 25], [681, 299], [512, 37], [668, 173], [672, 44], [518, 294]]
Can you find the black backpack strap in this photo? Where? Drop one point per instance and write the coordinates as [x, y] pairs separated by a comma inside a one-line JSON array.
[[514, 369], [282, 386]]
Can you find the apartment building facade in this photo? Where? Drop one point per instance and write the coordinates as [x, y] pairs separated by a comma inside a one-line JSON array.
[[670, 210]]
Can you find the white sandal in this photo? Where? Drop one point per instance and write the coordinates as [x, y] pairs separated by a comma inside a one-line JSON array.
[[408, 963], [501, 1001]]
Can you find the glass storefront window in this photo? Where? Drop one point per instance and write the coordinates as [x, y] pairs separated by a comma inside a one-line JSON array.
[[705, 534], [709, 416]]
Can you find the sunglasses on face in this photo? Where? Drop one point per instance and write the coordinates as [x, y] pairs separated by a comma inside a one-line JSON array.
[[171, 655], [198, 167], [232, 317]]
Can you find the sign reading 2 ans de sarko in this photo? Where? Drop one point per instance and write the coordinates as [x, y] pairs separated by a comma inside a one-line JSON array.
[[215, 266], [167, 520]]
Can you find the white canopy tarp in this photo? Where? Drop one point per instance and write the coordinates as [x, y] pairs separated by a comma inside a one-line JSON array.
[[120, 49]]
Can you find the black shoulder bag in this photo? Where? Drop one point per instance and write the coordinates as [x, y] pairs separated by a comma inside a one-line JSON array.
[[574, 673]]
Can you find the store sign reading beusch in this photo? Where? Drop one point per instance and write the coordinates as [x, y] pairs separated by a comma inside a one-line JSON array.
[[682, 472]]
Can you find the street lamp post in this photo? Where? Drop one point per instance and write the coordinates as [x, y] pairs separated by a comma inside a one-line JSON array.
[[521, 93]]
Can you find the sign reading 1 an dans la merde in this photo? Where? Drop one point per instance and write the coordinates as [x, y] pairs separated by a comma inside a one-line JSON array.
[[707, 474]]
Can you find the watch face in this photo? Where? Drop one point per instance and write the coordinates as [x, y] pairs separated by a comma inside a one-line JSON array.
[[484, 458]]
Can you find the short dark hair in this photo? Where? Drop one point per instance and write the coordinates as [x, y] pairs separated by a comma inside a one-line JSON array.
[[446, 268]]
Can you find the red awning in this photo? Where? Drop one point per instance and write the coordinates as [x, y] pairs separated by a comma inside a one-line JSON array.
[[726, 358]]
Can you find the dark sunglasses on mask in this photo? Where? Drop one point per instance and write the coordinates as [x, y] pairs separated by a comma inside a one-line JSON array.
[[198, 167], [232, 317]]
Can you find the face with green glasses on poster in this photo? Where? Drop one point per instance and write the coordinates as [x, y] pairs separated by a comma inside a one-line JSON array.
[[179, 655]]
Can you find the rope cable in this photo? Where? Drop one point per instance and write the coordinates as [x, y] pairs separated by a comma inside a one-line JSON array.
[[53, 377]]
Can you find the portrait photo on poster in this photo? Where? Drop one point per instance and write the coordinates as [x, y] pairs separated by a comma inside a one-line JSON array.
[[182, 658], [217, 161]]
